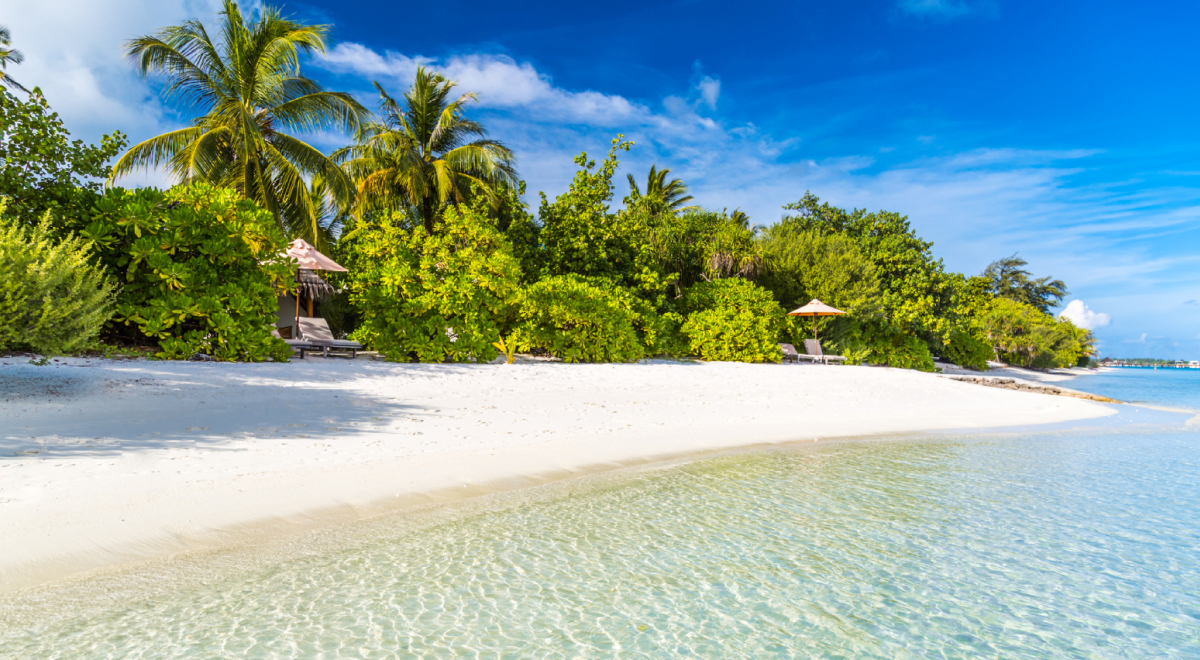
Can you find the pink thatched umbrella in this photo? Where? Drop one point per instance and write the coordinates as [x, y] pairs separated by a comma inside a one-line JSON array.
[[815, 308], [308, 258]]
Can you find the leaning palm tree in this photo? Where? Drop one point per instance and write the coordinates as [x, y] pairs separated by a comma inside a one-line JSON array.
[[662, 196], [420, 154], [9, 55], [247, 86]]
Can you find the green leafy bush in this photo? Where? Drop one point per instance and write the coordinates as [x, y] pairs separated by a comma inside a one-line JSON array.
[[578, 233], [803, 264], [445, 297], [879, 342], [583, 320], [200, 268], [53, 299], [41, 169], [733, 320]]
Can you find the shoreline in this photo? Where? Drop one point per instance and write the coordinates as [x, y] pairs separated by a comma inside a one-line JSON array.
[[227, 467]]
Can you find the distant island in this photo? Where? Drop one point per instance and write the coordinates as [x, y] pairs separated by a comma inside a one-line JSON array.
[[1149, 363]]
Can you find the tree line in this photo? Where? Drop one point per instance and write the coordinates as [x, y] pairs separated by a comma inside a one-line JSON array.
[[446, 262]]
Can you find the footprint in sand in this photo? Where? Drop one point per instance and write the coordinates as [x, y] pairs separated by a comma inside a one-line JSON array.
[[297, 425], [196, 428], [332, 428]]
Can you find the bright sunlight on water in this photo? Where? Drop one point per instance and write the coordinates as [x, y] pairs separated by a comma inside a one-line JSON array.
[[1056, 545]]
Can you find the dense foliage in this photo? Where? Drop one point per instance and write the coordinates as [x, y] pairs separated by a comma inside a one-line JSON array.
[[918, 297], [41, 169], [199, 269], [438, 297], [1025, 335], [53, 298], [733, 320], [581, 320]]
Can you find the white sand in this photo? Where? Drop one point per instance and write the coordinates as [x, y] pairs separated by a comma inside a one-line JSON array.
[[104, 462]]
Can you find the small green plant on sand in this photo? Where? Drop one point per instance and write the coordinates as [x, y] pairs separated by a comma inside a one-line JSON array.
[[507, 347]]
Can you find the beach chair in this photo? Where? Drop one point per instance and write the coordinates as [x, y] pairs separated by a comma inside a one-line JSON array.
[[790, 353], [298, 345], [813, 347], [317, 332]]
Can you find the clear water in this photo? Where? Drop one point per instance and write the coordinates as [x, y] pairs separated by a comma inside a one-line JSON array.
[[1059, 545], [1177, 388]]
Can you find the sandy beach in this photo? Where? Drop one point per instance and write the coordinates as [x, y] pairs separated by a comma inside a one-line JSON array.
[[104, 462]]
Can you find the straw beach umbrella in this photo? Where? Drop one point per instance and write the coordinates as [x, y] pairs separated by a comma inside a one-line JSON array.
[[815, 308], [308, 259]]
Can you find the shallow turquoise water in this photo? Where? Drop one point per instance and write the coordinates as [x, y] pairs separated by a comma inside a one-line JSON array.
[[1178, 388], [1058, 545]]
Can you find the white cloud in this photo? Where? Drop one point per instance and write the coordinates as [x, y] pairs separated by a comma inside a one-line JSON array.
[[1139, 340], [710, 90], [500, 82], [74, 52], [1079, 314]]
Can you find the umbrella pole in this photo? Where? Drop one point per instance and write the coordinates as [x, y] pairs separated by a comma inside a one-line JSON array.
[[814, 327]]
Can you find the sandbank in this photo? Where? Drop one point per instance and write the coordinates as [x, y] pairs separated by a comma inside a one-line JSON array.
[[105, 462]]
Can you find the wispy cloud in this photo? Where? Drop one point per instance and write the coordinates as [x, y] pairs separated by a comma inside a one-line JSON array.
[[947, 9], [500, 82], [1139, 340]]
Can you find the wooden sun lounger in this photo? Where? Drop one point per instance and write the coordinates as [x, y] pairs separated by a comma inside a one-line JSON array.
[[316, 331], [814, 349], [299, 346], [790, 353]]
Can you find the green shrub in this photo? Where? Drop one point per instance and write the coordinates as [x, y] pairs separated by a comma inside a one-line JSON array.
[[880, 342], [733, 320], [41, 169], [52, 298], [444, 297], [583, 320], [968, 349], [200, 268]]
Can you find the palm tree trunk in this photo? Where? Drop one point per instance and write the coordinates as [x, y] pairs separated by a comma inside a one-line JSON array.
[[427, 215]]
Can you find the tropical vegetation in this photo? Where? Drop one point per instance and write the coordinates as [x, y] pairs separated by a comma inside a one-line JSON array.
[[54, 298], [9, 55], [446, 262], [420, 155], [250, 95]]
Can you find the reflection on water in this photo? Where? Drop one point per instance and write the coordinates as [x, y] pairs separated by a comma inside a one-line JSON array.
[[1050, 546]]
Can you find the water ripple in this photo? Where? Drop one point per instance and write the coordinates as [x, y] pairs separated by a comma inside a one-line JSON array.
[[1045, 546]]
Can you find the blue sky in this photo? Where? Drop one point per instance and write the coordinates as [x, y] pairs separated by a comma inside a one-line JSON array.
[[1064, 131]]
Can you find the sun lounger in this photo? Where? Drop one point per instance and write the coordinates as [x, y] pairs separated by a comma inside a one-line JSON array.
[[317, 333], [814, 348], [790, 353], [298, 345]]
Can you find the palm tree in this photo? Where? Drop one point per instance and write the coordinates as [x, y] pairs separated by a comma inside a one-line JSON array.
[[740, 218], [417, 155], [662, 196], [248, 87], [8, 55]]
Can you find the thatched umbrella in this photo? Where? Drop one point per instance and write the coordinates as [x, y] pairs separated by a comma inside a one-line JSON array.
[[309, 260], [815, 308]]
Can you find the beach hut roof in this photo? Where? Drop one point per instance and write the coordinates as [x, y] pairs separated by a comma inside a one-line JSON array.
[[815, 308], [312, 286], [307, 257]]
